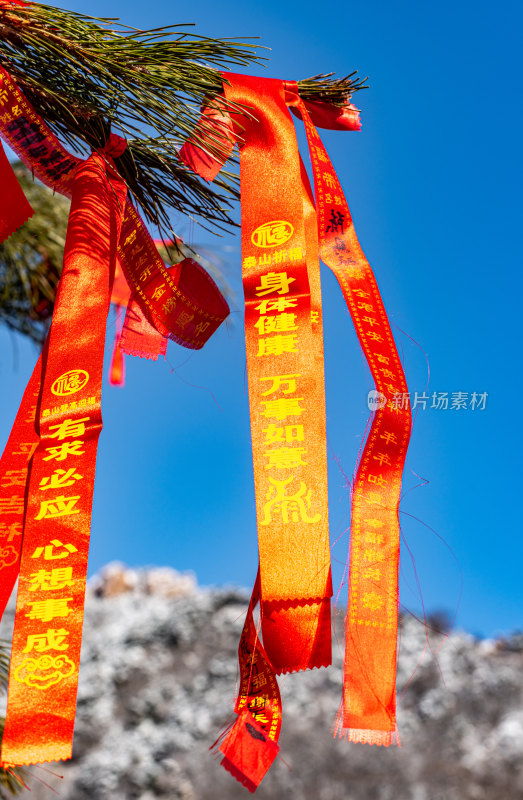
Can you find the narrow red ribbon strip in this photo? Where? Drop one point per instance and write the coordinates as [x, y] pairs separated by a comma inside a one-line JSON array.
[[372, 620], [252, 744]]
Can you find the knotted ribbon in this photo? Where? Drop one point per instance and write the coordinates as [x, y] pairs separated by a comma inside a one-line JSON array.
[[283, 229]]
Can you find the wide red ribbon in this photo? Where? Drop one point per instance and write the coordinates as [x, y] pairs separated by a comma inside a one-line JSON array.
[[60, 419], [49, 614]]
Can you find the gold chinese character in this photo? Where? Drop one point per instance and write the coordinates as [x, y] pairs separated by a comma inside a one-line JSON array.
[[60, 452], [387, 373], [374, 556], [277, 345], [69, 428], [26, 449], [14, 477], [280, 381], [274, 282], [50, 555], [184, 318], [169, 305], [282, 407], [383, 458], [47, 610], [372, 573], [60, 479], [285, 458], [277, 324], [389, 438], [378, 479], [277, 304], [295, 254], [374, 523], [292, 507], [12, 505], [280, 256], [374, 497], [46, 580], [287, 433], [52, 639], [372, 601], [159, 291], [10, 530], [258, 681], [249, 262], [58, 507], [201, 328], [371, 537]]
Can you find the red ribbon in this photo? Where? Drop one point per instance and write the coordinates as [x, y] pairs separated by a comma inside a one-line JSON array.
[[14, 207], [47, 469], [49, 613], [370, 664]]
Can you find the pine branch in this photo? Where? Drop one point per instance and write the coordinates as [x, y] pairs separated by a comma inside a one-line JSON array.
[[336, 91], [85, 75]]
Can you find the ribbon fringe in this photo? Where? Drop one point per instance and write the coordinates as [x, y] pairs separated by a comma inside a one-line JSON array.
[[364, 735]]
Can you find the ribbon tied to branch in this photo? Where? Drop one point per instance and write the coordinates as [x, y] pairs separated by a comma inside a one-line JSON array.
[[286, 229]]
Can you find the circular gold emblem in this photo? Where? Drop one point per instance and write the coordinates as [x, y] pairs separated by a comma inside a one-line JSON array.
[[272, 234], [70, 382]]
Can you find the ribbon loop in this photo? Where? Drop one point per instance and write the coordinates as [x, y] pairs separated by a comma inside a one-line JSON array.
[[114, 147]]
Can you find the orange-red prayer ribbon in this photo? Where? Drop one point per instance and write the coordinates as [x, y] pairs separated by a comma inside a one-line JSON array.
[[369, 714], [47, 469], [49, 613], [286, 384], [251, 745]]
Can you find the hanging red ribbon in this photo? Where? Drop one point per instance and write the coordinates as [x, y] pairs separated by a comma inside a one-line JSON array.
[[47, 468], [370, 663], [251, 745], [49, 613]]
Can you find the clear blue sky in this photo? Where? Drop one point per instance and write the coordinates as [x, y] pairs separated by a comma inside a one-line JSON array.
[[433, 181]]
